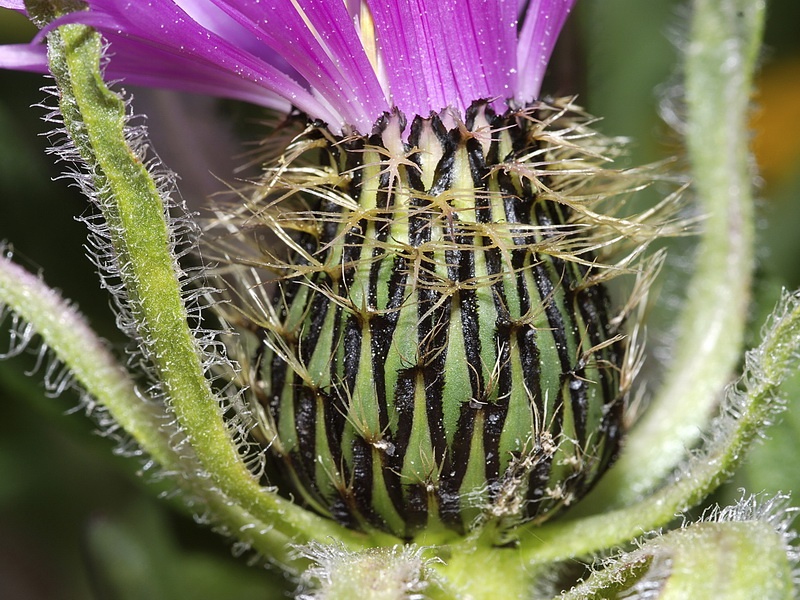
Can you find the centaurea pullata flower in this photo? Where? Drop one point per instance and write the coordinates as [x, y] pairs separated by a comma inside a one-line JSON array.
[[441, 344], [439, 348], [422, 361]]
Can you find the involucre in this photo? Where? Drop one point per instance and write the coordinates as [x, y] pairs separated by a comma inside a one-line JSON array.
[[440, 346]]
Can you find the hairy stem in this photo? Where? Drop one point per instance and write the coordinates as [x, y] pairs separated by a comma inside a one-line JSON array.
[[704, 561], [66, 333], [141, 236], [721, 55]]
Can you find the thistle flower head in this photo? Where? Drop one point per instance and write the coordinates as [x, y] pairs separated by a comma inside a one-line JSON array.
[[438, 349], [343, 62], [435, 353]]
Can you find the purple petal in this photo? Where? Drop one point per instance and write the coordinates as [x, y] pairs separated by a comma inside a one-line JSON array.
[[537, 38], [24, 57], [169, 71], [480, 40], [450, 52], [413, 75], [320, 41], [213, 18], [190, 51], [430, 54]]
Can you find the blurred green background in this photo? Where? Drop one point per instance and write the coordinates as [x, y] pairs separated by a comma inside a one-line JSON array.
[[77, 522]]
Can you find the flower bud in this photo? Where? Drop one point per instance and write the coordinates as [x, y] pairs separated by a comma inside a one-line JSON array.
[[443, 350]]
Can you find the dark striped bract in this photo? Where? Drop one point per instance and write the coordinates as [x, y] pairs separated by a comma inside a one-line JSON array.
[[443, 351]]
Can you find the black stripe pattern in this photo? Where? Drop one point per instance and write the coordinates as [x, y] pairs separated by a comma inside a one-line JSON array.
[[444, 355]]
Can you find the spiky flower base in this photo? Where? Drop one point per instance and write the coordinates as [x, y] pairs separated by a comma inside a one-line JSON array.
[[439, 347]]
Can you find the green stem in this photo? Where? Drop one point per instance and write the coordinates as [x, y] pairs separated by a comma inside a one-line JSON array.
[[704, 561], [479, 572], [141, 237], [721, 55], [66, 333]]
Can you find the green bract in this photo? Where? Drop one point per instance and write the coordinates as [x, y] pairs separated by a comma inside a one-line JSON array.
[[439, 347]]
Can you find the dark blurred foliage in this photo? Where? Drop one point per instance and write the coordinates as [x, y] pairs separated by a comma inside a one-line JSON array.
[[75, 519]]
